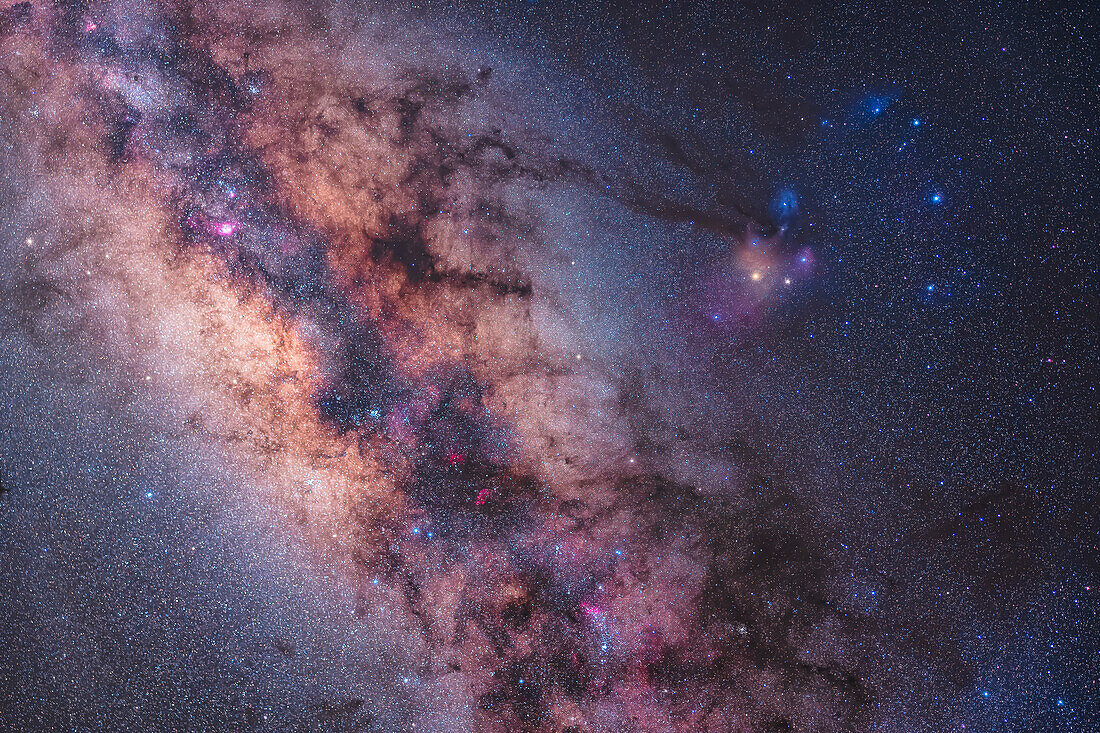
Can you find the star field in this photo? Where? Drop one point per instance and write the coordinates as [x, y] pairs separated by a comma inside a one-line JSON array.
[[540, 366]]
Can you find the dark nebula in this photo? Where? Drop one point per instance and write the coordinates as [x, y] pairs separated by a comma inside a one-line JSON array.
[[527, 367]]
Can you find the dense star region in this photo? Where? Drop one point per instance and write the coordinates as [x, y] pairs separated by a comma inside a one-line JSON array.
[[526, 367]]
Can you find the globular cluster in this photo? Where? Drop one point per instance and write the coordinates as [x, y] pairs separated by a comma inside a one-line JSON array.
[[534, 367]]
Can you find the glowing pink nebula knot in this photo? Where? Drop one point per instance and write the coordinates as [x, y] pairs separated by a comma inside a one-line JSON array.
[[590, 609], [482, 497], [226, 228]]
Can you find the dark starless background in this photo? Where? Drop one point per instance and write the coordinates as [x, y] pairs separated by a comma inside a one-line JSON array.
[[932, 383]]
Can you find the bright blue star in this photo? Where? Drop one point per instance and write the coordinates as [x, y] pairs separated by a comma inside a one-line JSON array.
[[936, 198], [916, 122], [872, 106]]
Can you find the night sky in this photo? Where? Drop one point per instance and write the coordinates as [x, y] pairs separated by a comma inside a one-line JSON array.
[[549, 367]]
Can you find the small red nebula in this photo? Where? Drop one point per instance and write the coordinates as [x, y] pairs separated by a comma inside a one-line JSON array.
[[590, 609], [482, 497], [456, 459], [89, 27], [226, 228]]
